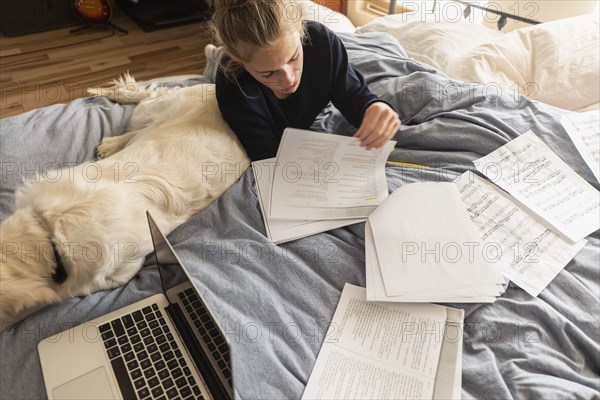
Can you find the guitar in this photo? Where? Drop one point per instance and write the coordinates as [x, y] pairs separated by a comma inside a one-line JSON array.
[[92, 11]]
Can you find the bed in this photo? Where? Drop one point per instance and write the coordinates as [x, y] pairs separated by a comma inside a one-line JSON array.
[[275, 301]]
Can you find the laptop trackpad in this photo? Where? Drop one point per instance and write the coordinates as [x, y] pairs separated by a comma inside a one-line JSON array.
[[93, 385]]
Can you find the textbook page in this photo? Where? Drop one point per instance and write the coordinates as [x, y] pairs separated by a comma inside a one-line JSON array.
[[530, 254], [428, 247], [378, 351], [584, 131], [536, 177], [282, 230], [327, 176]]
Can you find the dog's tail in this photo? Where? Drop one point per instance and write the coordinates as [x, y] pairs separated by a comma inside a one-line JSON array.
[[126, 90]]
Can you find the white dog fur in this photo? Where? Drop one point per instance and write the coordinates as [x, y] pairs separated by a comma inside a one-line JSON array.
[[178, 157]]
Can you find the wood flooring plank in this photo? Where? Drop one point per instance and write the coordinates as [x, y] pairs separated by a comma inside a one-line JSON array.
[[50, 74], [93, 49], [21, 61], [11, 110], [108, 63]]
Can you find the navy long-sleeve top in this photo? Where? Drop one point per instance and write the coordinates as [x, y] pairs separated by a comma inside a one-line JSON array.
[[258, 118]]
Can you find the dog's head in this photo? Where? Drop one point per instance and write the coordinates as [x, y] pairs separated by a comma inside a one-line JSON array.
[[28, 267], [55, 246]]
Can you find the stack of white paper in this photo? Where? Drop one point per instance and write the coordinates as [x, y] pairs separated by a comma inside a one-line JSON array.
[[421, 246], [319, 182], [320, 176], [285, 230], [388, 351]]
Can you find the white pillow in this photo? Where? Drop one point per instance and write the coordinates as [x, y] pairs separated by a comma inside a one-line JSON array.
[[433, 43], [556, 62], [334, 20]]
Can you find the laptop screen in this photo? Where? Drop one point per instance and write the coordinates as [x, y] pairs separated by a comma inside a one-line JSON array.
[[170, 270], [207, 344]]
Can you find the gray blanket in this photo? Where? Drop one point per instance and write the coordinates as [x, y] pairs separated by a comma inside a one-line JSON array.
[[275, 301]]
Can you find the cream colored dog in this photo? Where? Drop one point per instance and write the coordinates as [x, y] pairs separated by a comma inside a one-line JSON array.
[[88, 231]]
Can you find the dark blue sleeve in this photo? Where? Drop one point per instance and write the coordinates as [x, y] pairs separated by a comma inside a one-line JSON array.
[[350, 93], [249, 118]]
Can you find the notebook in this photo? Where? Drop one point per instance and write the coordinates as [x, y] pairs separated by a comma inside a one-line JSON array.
[[167, 346]]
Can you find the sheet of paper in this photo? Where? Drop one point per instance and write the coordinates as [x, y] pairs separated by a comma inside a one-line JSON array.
[[448, 380], [426, 244], [326, 176], [584, 131], [281, 230], [376, 289], [536, 177], [529, 253], [379, 351]]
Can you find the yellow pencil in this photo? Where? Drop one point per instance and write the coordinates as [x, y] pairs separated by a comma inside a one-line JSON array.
[[402, 164]]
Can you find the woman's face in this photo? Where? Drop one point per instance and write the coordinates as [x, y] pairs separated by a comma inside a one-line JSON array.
[[278, 66]]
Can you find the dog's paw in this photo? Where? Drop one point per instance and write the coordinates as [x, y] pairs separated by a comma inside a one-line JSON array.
[[109, 146]]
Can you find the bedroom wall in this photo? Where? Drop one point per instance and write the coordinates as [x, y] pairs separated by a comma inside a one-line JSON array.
[[541, 10]]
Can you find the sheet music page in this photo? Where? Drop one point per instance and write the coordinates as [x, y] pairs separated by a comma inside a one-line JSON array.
[[536, 177], [530, 254], [319, 175], [378, 351], [283, 230], [425, 241], [584, 131]]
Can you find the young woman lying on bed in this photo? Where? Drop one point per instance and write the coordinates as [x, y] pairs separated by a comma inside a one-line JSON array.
[[280, 72]]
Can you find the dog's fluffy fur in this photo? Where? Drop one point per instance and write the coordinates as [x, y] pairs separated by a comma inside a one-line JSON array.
[[178, 157]]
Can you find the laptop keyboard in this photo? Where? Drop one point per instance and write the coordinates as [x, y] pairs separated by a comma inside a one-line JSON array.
[[208, 330], [146, 359]]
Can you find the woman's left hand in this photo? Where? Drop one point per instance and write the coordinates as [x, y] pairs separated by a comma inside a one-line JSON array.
[[380, 123]]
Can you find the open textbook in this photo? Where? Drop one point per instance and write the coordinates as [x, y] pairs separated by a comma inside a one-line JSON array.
[[324, 176], [284, 230], [584, 131], [388, 351]]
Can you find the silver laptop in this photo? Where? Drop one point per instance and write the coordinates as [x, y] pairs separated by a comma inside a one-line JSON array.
[[168, 346]]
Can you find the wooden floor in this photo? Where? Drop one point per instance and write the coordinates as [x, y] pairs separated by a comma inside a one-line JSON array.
[[32, 75]]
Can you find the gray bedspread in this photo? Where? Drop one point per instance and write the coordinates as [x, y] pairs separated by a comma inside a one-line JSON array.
[[276, 301]]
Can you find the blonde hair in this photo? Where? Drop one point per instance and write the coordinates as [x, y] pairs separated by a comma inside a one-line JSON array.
[[257, 23]]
